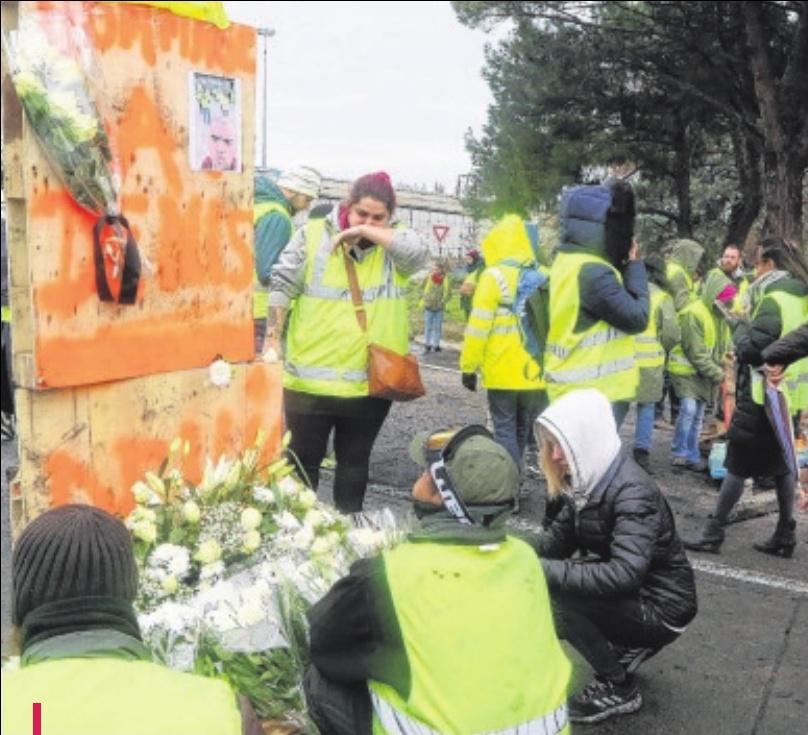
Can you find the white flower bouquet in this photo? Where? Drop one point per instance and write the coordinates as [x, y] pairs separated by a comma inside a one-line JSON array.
[[50, 62], [229, 566]]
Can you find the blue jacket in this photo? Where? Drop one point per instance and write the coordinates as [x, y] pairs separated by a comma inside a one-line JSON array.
[[603, 298], [272, 231]]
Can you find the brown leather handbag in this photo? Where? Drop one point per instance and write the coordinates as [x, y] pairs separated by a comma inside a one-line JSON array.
[[390, 375]]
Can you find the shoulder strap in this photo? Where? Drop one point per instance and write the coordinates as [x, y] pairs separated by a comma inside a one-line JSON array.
[[356, 294]]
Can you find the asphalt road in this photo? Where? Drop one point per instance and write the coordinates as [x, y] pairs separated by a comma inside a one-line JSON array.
[[741, 668]]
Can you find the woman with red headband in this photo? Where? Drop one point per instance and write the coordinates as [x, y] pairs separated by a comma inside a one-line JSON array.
[[325, 365]]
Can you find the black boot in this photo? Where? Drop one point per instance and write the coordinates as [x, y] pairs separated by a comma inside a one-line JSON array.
[[783, 540], [712, 536]]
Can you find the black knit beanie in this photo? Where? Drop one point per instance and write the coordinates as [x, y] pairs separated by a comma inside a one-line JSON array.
[[69, 552]]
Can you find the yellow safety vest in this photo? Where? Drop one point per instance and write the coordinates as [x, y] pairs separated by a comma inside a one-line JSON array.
[[483, 669], [100, 696], [326, 350], [260, 292], [600, 357], [491, 340], [650, 353], [793, 313], [678, 364]]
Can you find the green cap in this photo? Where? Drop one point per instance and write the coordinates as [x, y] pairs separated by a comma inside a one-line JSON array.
[[482, 471]]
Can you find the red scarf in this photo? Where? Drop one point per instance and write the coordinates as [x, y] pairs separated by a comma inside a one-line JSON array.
[[437, 278]]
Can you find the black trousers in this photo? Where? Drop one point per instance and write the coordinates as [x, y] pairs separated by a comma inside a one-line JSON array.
[[337, 709], [356, 423], [591, 624]]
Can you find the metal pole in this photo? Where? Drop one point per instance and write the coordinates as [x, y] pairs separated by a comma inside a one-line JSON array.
[[266, 34]]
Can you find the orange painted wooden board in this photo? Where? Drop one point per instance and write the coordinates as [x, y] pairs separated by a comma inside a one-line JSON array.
[[91, 444], [193, 228]]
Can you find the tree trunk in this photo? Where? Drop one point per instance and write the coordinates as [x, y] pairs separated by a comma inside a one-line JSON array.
[[681, 170], [745, 210], [783, 196]]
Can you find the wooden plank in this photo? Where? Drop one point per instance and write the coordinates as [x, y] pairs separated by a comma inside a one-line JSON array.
[[90, 444], [193, 228]]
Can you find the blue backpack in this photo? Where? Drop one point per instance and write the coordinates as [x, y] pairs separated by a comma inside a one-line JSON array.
[[530, 305]]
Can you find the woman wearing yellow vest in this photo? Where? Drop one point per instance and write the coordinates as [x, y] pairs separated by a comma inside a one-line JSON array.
[[753, 450], [634, 592], [450, 632], [325, 363], [695, 367], [435, 297], [82, 657]]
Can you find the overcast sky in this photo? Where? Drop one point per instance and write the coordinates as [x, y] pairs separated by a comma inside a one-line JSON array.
[[357, 87]]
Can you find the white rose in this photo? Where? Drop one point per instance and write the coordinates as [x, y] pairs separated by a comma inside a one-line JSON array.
[[307, 499], [287, 522], [250, 519], [145, 531], [220, 373], [303, 539], [320, 547], [141, 492], [251, 541], [170, 584], [263, 494], [314, 518], [191, 512], [289, 486], [208, 552], [211, 571]]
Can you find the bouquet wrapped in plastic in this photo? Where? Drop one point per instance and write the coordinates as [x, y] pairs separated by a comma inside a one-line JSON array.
[[51, 63], [228, 568]]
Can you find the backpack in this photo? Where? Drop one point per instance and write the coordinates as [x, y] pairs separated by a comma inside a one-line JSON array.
[[530, 305]]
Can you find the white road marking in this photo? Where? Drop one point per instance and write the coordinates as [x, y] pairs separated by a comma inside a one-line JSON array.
[[439, 368], [746, 575]]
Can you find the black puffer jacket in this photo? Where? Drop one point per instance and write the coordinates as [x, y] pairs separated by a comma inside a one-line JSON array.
[[788, 349], [629, 529]]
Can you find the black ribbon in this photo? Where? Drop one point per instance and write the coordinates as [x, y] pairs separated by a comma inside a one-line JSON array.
[[131, 262]]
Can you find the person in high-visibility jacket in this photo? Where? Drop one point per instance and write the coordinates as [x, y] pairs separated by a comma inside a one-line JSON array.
[[436, 295], [82, 658], [474, 268], [276, 204], [682, 268], [451, 631], [598, 297], [653, 346], [696, 367], [492, 344], [753, 448], [326, 353]]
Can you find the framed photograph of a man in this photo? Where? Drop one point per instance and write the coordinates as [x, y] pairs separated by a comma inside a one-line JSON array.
[[215, 123]]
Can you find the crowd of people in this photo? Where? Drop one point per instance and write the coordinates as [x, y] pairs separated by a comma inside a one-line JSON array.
[[463, 604]]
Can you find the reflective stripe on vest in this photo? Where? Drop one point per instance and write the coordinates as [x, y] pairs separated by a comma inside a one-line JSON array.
[[602, 356], [650, 354], [326, 350], [678, 364], [793, 313], [396, 722], [260, 292]]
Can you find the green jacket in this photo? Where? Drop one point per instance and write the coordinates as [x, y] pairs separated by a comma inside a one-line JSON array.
[[669, 334], [687, 254], [708, 363]]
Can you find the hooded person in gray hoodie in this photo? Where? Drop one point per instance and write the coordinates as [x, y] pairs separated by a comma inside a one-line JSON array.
[[633, 591]]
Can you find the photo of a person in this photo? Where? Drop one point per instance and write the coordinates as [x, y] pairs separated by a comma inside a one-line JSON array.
[[215, 123]]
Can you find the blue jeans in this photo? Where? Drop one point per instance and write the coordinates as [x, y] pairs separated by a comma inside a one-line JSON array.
[[620, 411], [688, 427], [433, 327], [644, 427], [513, 413]]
